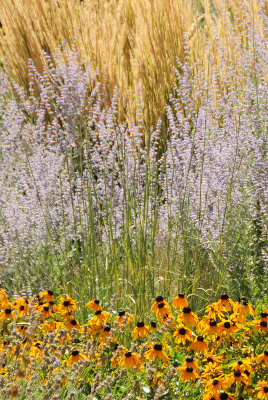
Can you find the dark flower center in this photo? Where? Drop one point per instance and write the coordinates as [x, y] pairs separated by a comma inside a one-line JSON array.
[[121, 313], [66, 303], [161, 305], [200, 338], [75, 353], [96, 301], [186, 310], [189, 369], [247, 372], [264, 314], [140, 324], [22, 308], [245, 303], [181, 296], [128, 354], [239, 362], [40, 302], [37, 345], [224, 396], [215, 382], [158, 347], [182, 331], [51, 303], [266, 353], [189, 359], [98, 312], [209, 360], [73, 322], [153, 324], [237, 374], [265, 389], [107, 329], [227, 325], [212, 322], [46, 308], [263, 324], [224, 297], [159, 299], [50, 292], [8, 311]]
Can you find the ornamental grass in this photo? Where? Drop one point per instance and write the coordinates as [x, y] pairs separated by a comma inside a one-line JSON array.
[[46, 353]]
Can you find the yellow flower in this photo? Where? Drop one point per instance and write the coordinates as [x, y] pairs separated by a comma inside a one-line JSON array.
[[182, 334], [94, 305], [215, 385], [187, 373], [157, 353], [72, 323], [208, 326], [187, 317], [66, 305], [159, 299], [189, 362], [238, 376], [130, 360], [35, 350], [199, 345], [262, 390], [225, 303], [140, 330], [7, 315], [124, 317], [179, 302], [4, 302], [45, 311], [47, 296], [163, 311], [263, 357], [21, 306], [100, 317], [227, 327], [153, 326], [243, 308], [75, 356], [264, 315]]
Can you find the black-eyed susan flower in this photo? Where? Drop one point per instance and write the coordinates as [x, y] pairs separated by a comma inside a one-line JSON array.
[[124, 317], [187, 373], [66, 305], [262, 390], [35, 350], [225, 303], [72, 323], [182, 334], [227, 328], [263, 357], [130, 360], [264, 315], [45, 311], [4, 302], [100, 317], [189, 362], [153, 326], [74, 357], [140, 330], [21, 306], [187, 317], [179, 302], [208, 326], [94, 305], [105, 334], [199, 345], [260, 326], [237, 376], [217, 384], [163, 311], [7, 314], [157, 352], [243, 309], [47, 296], [159, 299]]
